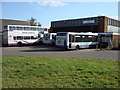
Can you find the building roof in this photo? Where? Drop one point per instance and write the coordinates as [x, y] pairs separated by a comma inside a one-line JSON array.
[[84, 18], [13, 20]]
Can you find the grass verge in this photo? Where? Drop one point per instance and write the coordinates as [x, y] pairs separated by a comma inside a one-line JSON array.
[[43, 72]]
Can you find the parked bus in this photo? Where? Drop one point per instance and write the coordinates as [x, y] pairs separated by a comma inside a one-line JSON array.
[[72, 40], [49, 38], [112, 39], [20, 34]]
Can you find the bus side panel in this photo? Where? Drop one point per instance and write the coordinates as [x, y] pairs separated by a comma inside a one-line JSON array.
[[88, 44], [83, 45]]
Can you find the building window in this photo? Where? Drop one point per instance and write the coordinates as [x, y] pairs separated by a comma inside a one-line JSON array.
[[113, 22], [109, 21], [117, 23]]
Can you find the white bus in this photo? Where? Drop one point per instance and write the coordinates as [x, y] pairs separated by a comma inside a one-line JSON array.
[[72, 40], [49, 38], [20, 34]]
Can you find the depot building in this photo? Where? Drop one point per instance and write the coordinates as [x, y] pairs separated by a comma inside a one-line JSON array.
[[91, 24]]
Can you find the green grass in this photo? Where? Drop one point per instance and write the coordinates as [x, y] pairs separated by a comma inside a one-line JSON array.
[[41, 72]]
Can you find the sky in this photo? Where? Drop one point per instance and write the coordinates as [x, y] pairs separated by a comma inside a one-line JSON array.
[[47, 11]]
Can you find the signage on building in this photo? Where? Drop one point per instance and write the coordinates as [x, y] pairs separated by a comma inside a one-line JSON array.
[[88, 21]]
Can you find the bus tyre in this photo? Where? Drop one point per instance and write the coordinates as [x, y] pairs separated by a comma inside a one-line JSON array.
[[77, 47], [19, 44]]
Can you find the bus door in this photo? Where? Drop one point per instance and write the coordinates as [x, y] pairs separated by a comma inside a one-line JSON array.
[[71, 40]]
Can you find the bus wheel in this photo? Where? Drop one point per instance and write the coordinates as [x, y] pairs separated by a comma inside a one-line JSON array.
[[19, 44], [77, 47]]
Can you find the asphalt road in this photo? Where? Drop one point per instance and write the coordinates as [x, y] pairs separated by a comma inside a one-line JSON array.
[[43, 51]]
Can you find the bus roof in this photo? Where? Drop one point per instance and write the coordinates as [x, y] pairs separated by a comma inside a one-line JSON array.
[[25, 26], [90, 33], [80, 33], [51, 33]]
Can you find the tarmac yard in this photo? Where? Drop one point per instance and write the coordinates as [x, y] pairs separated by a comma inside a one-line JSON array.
[[45, 51]]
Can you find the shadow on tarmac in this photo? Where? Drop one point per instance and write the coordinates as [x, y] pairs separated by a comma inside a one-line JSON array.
[[44, 49]]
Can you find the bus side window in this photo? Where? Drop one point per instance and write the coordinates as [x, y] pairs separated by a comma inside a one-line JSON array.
[[34, 29], [15, 38], [19, 37], [32, 37], [10, 28], [19, 28], [31, 28], [14, 28], [26, 28], [26, 37]]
